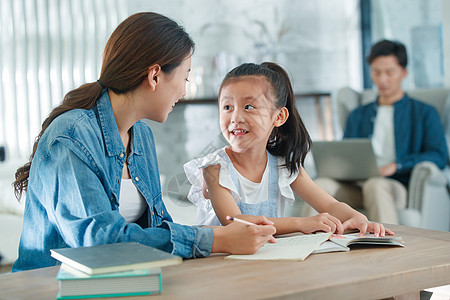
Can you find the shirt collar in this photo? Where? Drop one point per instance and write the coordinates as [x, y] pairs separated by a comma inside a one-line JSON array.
[[399, 103], [402, 101], [113, 142]]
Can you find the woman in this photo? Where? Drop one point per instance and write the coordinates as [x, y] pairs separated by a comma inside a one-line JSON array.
[[95, 142]]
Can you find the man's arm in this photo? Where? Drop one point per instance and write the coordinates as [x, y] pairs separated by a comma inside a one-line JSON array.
[[433, 147]]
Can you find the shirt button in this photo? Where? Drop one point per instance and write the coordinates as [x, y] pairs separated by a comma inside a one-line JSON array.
[[121, 155], [118, 181], [162, 213], [136, 178]]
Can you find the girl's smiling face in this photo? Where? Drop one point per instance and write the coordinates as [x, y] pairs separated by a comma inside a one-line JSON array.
[[247, 112]]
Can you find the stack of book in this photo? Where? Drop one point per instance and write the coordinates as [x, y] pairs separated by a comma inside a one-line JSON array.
[[111, 270]]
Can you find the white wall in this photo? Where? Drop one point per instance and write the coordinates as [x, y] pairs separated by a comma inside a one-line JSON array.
[[446, 40], [404, 20], [317, 41]]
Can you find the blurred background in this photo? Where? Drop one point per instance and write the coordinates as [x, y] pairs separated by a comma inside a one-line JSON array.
[[48, 47]]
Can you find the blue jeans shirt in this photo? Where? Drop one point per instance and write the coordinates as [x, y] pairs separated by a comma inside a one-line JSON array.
[[418, 132], [73, 191]]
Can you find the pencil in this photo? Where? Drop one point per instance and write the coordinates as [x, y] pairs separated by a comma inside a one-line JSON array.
[[239, 220]]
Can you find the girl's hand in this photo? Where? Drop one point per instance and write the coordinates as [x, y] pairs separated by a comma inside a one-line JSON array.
[[238, 238], [321, 222], [363, 225]]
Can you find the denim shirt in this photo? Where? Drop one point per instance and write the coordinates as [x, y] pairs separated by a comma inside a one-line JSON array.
[[419, 135], [74, 186]]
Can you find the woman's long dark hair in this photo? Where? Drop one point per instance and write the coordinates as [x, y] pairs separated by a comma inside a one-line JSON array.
[[291, 140], [140, 41]]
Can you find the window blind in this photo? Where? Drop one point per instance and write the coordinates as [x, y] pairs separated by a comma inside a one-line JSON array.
[[47, 47]]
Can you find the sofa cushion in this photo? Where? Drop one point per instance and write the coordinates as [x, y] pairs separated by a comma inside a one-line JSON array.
[[8, 202], [10, 231]]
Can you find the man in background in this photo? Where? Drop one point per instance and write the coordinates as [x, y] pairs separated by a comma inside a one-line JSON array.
[[403, 131]]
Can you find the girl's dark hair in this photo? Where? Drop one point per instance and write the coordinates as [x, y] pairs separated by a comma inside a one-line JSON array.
[[140, 41], [291, 140]]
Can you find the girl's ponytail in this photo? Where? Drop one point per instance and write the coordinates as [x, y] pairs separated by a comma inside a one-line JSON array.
[[291, 140]]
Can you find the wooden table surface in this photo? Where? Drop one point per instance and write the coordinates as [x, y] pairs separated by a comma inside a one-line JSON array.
[[363, 273]]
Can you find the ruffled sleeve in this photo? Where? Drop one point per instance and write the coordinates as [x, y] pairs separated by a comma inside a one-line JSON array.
[[193, 170], [284, 182]]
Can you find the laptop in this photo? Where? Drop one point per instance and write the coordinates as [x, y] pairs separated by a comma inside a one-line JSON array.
[[348, 159]]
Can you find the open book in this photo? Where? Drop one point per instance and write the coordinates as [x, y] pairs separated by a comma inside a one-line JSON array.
[[300, 246], [297, 247], [338, 242]]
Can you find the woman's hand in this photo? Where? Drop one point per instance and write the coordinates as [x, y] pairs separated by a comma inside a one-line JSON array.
[[238, 238], [361, 223], [321, 222]]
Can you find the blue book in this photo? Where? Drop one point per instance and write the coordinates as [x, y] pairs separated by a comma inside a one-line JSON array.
[[117, 257], [74, 284]]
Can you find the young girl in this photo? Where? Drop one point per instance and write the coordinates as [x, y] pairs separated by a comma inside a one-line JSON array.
[[258, 172]]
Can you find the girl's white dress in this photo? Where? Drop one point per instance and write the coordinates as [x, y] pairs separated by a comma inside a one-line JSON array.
[[247, 193]]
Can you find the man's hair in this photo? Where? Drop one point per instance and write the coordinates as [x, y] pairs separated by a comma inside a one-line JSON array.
[[385, 48]]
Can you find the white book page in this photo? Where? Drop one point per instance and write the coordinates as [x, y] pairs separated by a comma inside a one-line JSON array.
[[366, 239], [297, 247], [329, 246]]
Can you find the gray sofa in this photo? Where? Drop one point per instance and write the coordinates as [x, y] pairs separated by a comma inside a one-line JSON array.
[[428, 204]]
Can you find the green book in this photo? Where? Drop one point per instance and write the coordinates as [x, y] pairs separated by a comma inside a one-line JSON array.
[[117, 257], [74, 284]]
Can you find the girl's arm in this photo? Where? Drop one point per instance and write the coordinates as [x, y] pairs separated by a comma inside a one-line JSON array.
[[221, 198], [321, 201], [233, 237], [321, 222], [224, 205]]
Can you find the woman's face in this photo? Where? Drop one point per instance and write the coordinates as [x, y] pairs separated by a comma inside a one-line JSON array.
[[171, 88]]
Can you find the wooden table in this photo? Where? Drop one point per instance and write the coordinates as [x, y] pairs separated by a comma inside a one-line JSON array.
[[373, 273]]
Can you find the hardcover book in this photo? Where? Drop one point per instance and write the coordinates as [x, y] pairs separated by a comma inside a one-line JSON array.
[[114, 258], [74, 284]]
